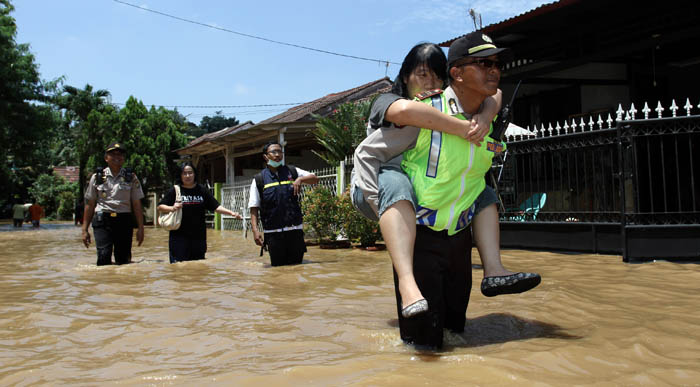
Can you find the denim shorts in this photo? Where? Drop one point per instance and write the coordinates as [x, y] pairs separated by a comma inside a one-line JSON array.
[[394, 185], [486, 198]]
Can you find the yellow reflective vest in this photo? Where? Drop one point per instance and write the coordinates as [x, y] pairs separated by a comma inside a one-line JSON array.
[[447, 171]]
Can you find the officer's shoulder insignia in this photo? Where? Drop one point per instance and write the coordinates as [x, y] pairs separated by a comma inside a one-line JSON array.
[[428, 94]]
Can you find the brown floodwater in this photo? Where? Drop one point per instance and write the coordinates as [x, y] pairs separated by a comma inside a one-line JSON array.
[[234, 320]]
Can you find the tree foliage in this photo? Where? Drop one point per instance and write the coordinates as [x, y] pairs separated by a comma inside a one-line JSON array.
[[25, 119], [42, 125], [80, 136], [218, 122], [55, 194], [149, 136], [342, 131]]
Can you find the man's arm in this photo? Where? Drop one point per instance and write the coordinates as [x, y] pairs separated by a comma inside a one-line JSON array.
[[138, 213], [88, 213], [254, 225], [306, 179]]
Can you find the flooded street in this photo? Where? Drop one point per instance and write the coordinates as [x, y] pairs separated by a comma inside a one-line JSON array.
[[234, 320]]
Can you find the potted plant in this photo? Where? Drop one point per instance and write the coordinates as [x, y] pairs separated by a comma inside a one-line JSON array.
[[357, 227], [322, 214]]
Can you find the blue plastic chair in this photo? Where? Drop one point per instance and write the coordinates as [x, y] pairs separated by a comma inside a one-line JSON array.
[[529, 209]]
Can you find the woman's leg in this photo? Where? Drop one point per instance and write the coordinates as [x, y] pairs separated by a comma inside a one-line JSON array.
[[398, 225], [487, 235], [497, 280], [397, 220]]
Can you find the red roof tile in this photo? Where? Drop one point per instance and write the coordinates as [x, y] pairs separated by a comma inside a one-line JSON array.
[[70, 173]]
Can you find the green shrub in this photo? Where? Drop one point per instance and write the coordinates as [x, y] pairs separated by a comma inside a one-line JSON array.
[[48, 190], [357, 227], [322, 213], [66, 205]]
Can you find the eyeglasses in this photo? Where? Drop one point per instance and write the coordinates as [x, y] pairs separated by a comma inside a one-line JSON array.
[[486, 64], [275, 152]]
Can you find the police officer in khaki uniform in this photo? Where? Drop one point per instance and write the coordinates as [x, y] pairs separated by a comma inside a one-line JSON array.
[[112, 195]]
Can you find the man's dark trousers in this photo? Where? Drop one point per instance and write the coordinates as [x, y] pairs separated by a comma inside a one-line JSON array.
[[113, 232], [443, 272]]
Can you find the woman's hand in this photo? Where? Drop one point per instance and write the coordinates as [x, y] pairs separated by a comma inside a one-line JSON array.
[[176, 206], [479, 128]]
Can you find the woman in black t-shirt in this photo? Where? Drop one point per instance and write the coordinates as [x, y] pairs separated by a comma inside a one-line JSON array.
[[189, 242]]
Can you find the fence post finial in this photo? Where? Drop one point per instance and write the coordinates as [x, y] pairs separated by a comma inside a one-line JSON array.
[[557, 128], [646, 111], [566, 127], [659, 109], [549, 129], [673, 108], [633, 111], [600, 122], [609, 121], [619, 112], [687, 106]]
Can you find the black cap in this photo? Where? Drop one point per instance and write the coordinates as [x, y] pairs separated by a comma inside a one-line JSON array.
[[477, 45], [116, 146]]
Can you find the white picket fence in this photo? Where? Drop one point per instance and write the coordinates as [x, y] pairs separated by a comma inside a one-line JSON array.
[[591, 122]]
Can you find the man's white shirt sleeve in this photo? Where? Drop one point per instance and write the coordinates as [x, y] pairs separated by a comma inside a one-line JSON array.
[[254, 197]]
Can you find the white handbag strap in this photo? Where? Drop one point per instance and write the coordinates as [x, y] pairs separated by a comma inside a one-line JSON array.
[[178, 197]]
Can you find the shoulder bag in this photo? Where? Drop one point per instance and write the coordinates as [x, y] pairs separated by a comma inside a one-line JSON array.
[[172, 220]]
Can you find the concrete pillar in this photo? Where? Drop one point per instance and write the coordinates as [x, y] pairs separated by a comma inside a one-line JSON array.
[[230, 164], [218, 219]]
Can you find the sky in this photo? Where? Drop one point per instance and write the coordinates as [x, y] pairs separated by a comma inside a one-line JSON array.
[[164, 61]]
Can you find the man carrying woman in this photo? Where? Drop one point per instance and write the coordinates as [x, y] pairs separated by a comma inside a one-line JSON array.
[[447, 173]]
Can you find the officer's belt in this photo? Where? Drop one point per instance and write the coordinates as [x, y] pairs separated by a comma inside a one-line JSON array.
[[115, 214]]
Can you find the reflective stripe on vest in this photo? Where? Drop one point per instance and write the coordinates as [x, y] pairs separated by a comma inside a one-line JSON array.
[[277, 183]]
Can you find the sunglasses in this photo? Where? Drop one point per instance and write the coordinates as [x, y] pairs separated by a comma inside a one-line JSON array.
[[486, 63]]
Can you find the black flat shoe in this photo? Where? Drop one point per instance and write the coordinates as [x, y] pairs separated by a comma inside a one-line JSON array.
[[418, 307], [509, 284]]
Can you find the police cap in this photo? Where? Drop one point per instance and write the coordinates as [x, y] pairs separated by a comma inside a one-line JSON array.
[[116, 146], [476, 44]]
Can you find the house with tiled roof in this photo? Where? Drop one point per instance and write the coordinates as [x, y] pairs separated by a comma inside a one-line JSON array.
[[235, 152], [70, 173]]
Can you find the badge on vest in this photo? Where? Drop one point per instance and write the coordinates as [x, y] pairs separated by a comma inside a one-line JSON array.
[[495, 147], [453, 106]]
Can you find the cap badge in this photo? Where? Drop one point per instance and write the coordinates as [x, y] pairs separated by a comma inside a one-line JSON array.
[[486, 38]]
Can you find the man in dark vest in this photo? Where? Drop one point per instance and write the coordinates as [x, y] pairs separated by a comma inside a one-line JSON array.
[[274, 195]]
